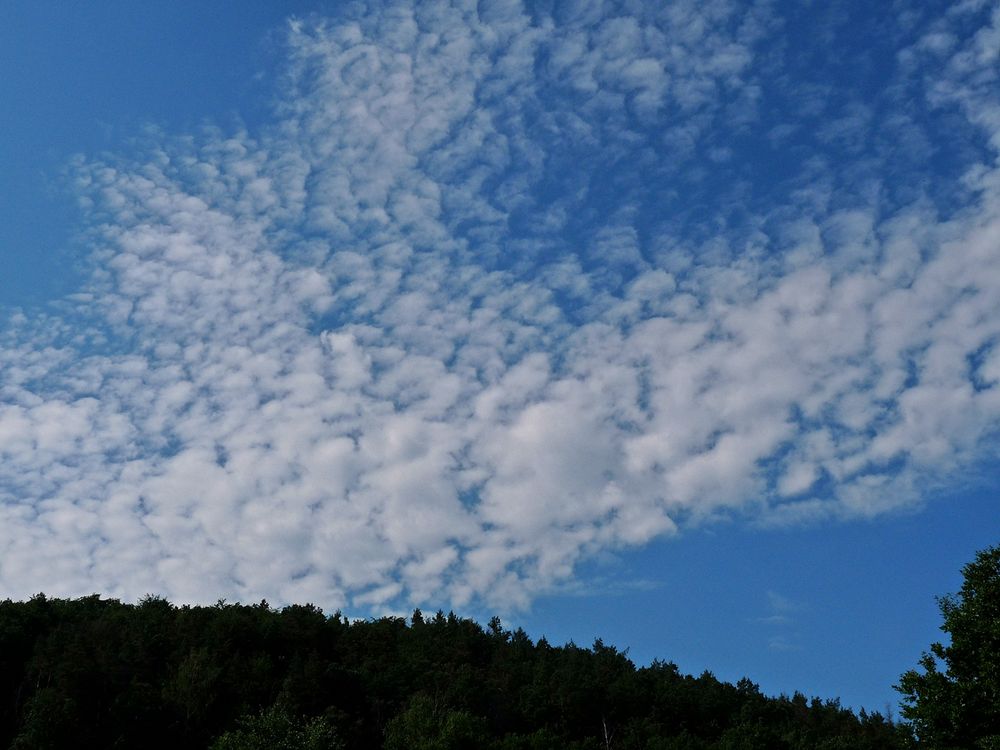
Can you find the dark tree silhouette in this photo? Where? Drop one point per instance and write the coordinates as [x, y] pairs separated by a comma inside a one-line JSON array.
[[954, 702], [98, 673]]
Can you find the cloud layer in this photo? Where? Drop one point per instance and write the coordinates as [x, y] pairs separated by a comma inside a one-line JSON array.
[[500, 289]]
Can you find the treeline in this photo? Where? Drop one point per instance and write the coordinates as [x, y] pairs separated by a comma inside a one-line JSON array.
[[100, 673]]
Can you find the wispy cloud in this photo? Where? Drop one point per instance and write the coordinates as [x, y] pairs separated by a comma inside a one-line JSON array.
[[781, 608], [782, 622], [495, 293], [783, 644]]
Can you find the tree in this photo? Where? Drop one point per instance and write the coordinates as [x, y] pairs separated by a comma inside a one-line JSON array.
[[955, 701], [425, 726], [276, 729]]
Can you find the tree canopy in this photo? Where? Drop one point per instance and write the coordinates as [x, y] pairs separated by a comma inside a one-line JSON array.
[[954, 700], [96, 672]]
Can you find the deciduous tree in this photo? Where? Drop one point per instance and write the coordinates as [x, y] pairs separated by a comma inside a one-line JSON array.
[[954, 699]]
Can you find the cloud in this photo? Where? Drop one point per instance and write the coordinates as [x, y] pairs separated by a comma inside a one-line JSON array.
[[484, 302], [782, 622]]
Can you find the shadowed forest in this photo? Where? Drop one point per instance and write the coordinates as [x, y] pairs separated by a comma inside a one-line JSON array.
[[100, 673]]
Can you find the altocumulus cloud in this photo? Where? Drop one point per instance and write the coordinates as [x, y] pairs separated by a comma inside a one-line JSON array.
[[500, 288]]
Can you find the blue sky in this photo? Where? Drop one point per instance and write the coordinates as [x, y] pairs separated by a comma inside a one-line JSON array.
[[674, 324]]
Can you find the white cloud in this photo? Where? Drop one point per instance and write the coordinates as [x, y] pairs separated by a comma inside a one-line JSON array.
[[409, 344]]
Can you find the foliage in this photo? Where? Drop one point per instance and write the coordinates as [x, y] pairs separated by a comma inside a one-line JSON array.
[[100, 673], [424, 726], [275, 729], [960, 706]]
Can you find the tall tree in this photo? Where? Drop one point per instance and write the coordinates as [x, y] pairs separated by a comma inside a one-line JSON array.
[[954, 702]]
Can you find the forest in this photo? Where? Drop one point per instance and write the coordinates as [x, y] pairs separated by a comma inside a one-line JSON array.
[[99, 673], [95, 672]]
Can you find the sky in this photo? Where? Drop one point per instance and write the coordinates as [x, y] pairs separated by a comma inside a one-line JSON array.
[[675, 324]]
